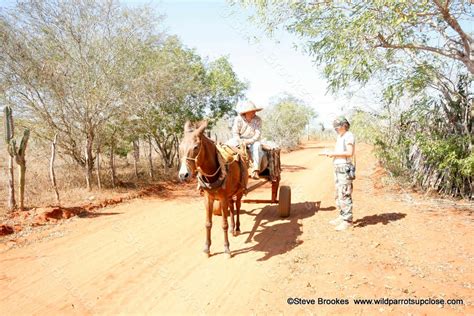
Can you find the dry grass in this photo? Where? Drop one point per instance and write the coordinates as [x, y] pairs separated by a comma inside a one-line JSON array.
[[71, 180]]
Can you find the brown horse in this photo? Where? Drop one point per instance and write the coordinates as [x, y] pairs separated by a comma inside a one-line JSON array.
[[220, 181]]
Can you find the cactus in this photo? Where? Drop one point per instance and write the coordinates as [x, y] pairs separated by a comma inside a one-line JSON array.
[[18, 153], [9, 133], [8, 123]]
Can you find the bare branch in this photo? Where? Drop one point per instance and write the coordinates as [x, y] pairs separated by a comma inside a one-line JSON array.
[[454, 24]]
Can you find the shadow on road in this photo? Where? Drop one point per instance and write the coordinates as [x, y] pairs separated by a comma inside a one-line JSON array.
[[79, 211], [292, 168], [378, 219], [276, 238], [87, 214], [329, 208]]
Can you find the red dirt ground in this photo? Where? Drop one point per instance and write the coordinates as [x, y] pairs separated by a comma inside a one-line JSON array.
[[143, 256]]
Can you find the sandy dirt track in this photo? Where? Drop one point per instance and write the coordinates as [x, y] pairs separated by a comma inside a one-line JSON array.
[[144, 256]]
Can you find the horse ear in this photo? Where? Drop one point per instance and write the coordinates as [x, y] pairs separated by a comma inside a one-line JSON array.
[[188, 126], [202, 127]]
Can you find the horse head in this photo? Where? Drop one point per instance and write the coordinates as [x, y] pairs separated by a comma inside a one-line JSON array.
[[189, 148]]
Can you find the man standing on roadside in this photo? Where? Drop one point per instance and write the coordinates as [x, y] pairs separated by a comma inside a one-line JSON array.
[[343, 156]]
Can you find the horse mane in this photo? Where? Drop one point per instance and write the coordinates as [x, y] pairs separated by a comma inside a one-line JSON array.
[[209, 139]]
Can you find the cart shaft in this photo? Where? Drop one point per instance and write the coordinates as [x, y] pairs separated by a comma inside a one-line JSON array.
[[260, 201]]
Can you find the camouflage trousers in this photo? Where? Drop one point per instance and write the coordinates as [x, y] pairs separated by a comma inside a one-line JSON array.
[[343, 192]]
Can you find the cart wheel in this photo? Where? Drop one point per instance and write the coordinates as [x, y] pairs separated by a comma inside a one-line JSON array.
[[284, 203]]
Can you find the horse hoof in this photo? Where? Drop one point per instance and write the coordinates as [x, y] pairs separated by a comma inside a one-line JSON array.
[[236, 233], [228, 255]]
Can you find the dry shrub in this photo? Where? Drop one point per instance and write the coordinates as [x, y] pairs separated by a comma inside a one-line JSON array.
[[71, 179]]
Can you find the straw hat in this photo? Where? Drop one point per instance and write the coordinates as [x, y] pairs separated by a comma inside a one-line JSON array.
[[340, 120], [248, 106]]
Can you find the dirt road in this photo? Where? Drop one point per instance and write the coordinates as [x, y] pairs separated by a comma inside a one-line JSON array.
[[144, 256]]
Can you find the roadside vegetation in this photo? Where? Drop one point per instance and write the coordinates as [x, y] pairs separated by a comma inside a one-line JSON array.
[[286, 121], [110, 85], [104, 93], [418, 54]]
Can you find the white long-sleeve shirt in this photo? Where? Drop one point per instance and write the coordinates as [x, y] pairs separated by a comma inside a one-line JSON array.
[[250, 131]]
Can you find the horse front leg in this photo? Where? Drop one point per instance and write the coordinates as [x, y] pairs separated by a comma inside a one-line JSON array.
[[238, 204], [209, 204], [232, 213], [225, 226]]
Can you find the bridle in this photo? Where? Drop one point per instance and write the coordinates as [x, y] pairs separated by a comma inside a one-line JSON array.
[[198, 168]]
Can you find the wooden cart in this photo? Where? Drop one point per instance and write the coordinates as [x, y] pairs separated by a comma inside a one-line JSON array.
[[280, 195]]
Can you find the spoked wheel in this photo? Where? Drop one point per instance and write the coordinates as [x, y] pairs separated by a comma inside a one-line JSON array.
[[284, 204]]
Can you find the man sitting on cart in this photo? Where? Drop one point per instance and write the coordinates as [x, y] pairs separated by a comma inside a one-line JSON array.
[[247, 130]]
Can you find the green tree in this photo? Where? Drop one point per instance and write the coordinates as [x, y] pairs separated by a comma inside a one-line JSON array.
[[224, 88], [174, 85], [364, 124], [284, 122]]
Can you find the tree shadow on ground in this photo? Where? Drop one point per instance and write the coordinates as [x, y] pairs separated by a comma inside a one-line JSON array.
[[276, 239], [378, 219], [79, 212], [87, 214]]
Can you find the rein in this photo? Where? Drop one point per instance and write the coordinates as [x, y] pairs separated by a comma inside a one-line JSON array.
[[203, 177], [199, 169], [207, 175]]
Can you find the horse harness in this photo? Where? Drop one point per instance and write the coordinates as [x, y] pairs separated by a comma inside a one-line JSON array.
[[203, 178]]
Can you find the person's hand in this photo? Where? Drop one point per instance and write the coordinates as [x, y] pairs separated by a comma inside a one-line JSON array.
[[325, 152]]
